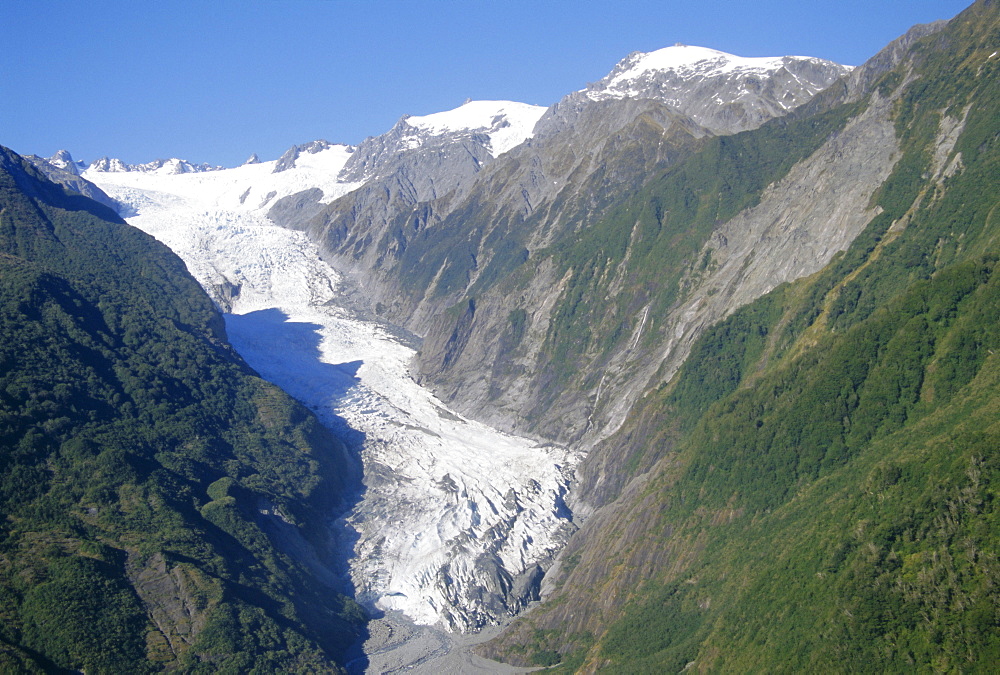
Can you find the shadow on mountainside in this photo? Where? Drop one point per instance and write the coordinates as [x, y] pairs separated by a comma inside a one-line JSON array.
[[288, 354]]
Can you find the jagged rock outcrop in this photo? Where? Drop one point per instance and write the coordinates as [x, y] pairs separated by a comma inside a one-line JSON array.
[[65, 161], [725, 94], [287, 160], [168, 166], [62, 169]]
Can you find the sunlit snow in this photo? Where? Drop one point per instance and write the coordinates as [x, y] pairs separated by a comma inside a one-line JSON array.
[[450, 506], [248, 188], [687, 58], [507, 123], [685, 62]]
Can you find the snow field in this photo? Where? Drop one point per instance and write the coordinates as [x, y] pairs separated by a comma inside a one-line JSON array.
[[507, 123]]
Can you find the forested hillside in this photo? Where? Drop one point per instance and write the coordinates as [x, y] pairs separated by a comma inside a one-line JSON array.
[[145, 470], [816, 488]]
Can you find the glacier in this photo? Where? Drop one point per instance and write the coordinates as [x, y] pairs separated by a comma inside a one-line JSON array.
[[456, 521]]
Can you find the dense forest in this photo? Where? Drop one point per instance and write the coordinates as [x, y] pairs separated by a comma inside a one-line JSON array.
[[816, 489], [145, 470]]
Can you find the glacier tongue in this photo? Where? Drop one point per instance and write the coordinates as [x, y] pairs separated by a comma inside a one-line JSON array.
[[456, 520]]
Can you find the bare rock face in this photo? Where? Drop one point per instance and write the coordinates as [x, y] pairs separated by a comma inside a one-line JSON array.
[[63, 160], [801, 221], [799, 224], [178, 598]]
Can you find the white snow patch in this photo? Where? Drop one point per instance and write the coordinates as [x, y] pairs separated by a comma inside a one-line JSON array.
[[507, 123], [700, 60]]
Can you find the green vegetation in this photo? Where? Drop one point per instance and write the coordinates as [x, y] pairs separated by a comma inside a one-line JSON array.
[[825, 466], [137, 450]]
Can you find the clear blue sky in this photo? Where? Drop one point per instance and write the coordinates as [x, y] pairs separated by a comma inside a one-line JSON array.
[[213, 81]]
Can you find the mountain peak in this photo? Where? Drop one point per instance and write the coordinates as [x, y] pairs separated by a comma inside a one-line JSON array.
[[688, 62], [703, 82], [690, 59], [288, 160], [65, 161], [109, 165]]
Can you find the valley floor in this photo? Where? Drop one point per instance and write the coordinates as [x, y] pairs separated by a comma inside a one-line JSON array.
[[398, 645]]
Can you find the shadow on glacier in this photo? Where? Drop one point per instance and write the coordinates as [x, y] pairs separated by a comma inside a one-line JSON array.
[[288, 354]]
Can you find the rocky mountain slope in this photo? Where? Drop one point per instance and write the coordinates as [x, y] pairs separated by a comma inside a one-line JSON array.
[[814, 485], [475, 263], [62, 169]]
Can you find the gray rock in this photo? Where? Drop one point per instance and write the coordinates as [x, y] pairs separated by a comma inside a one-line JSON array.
[[66, 172]]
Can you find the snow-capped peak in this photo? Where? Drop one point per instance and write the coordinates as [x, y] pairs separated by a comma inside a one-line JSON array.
[[685, 59], [633, 76], [507, 123], [64, 161], [722, 92], [473, 115], [109, 165]]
